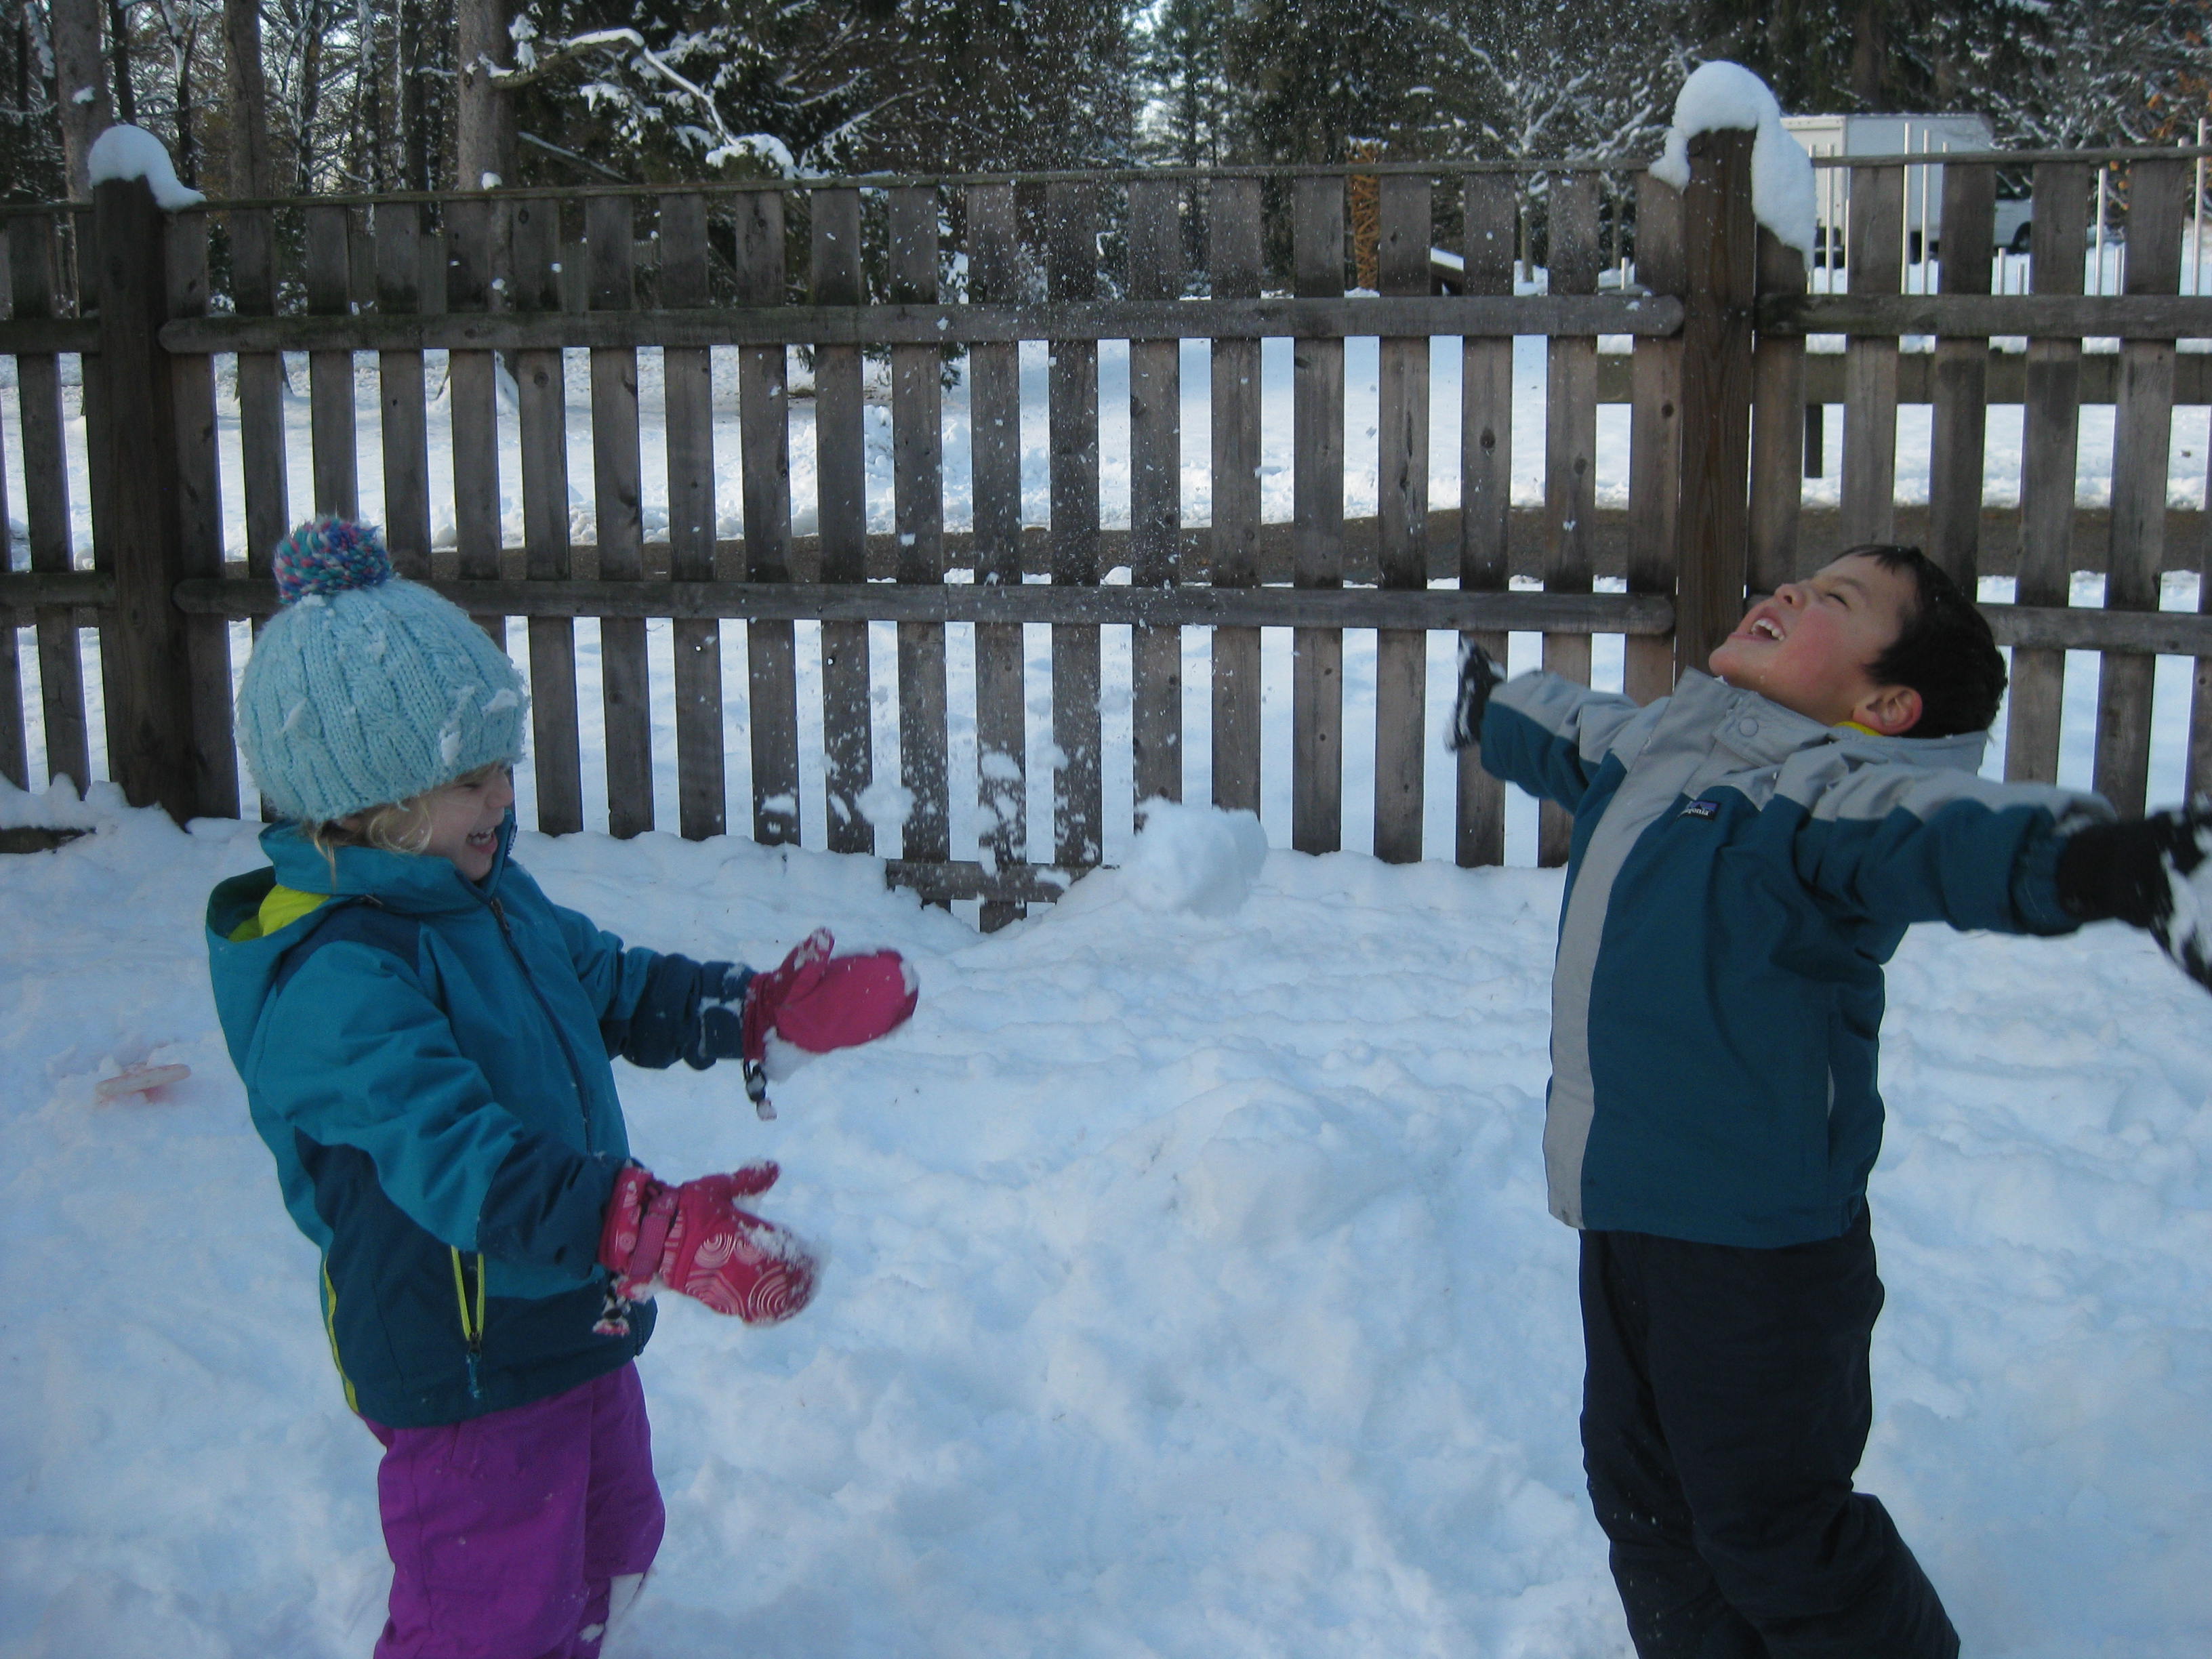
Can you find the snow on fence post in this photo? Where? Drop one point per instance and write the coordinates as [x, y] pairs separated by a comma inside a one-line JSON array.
[[2142, 436], [2050, 430], [137, 530], [199, 514], [1721, 247]]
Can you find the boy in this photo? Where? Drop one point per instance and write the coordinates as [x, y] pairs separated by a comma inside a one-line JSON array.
[[1747, 854]]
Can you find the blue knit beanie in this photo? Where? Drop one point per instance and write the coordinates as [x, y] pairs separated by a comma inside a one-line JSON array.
[[364, 689]]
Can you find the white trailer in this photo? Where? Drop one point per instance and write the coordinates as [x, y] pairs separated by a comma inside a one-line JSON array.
[[1898, 135]]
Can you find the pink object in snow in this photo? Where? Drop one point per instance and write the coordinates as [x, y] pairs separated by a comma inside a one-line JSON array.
[[140, 1080]]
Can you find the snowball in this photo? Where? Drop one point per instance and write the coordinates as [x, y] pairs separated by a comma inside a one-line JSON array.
[[126, 152], [1722, 94], [1197, 859], [885, 804]]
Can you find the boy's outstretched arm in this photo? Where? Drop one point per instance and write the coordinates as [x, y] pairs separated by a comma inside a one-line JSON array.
[[1546, 734]]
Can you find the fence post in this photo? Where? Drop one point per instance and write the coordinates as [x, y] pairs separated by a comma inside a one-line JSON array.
[[1721, 243], [136, 526]]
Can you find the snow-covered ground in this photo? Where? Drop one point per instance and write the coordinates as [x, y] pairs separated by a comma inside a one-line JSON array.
[[1191, 1288]]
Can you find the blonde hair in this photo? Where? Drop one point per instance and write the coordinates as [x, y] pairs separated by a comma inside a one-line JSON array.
[[399, 826]]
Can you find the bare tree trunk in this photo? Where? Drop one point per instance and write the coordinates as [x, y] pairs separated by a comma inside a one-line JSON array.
[[1871, 52], [249, 98], [80, 86], [311, 98], [119, 43], [368, 94], [414, 104], [486, 144]]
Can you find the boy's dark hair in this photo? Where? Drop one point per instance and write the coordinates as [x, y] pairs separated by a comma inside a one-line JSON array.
[[1945, 652]]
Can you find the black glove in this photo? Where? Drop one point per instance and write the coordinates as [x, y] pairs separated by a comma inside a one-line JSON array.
[[716, 1031], [1477, 677], [2140, 872]]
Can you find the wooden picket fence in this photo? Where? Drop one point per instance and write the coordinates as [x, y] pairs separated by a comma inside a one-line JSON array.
[[1718, 380]]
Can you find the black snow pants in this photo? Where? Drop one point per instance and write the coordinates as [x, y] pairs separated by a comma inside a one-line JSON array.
[[1724, 1409]]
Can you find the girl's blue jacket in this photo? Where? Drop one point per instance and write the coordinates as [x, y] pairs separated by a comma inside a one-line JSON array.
[[428, 1060]]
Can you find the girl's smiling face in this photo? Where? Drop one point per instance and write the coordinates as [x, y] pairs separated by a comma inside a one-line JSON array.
[[464, 818], [1812, 646]]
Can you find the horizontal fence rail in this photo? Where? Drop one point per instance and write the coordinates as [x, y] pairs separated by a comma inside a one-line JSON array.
[[891, 287]]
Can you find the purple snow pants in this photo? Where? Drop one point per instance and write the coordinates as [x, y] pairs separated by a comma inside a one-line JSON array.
[[506, 1531]]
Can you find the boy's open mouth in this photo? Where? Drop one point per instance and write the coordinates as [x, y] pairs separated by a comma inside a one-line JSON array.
[[1761, 628]]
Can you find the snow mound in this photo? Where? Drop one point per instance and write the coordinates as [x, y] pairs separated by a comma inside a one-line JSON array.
[[128, 152], [1727, 95], [1195, 859]]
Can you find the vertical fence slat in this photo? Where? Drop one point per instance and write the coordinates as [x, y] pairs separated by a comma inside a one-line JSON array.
[[918, 490], [330, 373], [841, 471], [2198, 779], [14, 748], [1317, 523], [473, 393], [1876, 251], [1486, 460], [2143, 435], [1071, 273], [764, 444], [1777, 428], [994, 405], [199, 512], [1721, 250], [1655, 436], [45, 504], [262, 468], [1960, 417], [2050, 423], [1156, 272], [400, 388], [541, 390], [1401, 655], [626, 696], [1233, 256], [688, 382], [1569, 456]]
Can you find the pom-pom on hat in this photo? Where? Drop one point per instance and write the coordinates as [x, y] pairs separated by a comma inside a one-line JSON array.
[[366, 689]]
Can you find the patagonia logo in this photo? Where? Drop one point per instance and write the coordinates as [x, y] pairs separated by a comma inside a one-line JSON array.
[[1701, 809]]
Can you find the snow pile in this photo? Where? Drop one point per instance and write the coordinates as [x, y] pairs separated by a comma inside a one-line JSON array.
[[1192, 858], [1722, 94], [128, 152]]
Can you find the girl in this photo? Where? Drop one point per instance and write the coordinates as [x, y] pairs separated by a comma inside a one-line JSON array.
[[425, 1042]]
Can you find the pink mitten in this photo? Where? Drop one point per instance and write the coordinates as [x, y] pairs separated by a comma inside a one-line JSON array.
[[817, 1002], [695, 1239]]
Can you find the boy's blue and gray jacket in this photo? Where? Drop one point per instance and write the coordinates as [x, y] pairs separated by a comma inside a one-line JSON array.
[[427, 1058], [1737, 876]]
